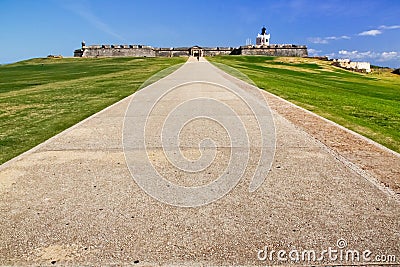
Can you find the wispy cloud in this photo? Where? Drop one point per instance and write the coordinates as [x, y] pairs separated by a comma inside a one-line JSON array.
[[386, 56], [374, 32], [85, 13], [370, 33], [317, 40], [325, 40], [392, 27], [368, 55], [98, 23], [338, 37], [379, 30], [313, 52], [357, 55]]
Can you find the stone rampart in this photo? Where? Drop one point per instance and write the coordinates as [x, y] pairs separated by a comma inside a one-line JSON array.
[[216, 51], [172, 52], [148, 51], [275, 50], [116, 51]]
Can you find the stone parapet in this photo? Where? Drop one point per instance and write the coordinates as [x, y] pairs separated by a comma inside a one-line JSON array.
[[275, 50], [288, 50]]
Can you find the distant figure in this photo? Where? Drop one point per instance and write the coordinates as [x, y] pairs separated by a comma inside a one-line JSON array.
[[83, 44], [198, 57]]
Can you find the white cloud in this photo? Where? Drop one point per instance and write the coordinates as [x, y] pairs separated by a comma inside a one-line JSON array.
[[325, 40], [378, 31], [374, 32], [392, 27], [317, 40], [368, 55], [386, 56], [370, 33], [356, 54], [313, 52], [345, 37], [331, 55]]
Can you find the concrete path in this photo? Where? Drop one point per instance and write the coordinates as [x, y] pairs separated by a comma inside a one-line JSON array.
[[78, 199]]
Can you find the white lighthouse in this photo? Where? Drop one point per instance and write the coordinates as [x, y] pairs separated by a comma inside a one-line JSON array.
[[263, 38]]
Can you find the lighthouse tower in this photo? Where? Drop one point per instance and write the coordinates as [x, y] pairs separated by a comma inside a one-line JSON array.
[[263, 38]]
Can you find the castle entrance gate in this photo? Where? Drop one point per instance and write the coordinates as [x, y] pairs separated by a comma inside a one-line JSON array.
[[196, 51]]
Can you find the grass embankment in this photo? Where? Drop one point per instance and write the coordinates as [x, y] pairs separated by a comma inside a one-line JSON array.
[[365, 103], [41, 97]]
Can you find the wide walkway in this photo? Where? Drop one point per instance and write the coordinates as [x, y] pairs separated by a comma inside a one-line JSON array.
[[192, 170]]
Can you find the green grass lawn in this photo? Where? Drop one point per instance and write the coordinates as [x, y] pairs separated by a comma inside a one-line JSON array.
[[366, 103], [42, 97]]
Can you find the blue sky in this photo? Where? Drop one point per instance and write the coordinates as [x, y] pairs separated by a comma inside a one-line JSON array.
[[359, 30]]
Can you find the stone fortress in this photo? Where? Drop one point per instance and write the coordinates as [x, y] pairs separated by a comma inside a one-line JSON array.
[[352, 65], [262, 47]]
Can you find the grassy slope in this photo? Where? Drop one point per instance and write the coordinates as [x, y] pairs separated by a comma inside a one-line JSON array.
[[41, 97], [368, 104]]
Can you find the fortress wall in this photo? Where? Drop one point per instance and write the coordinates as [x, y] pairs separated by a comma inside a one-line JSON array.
[[148, 51], [78, 53], [280, 51], [353, 65], [209, 52], [162, 52], [129, 51], [180, 53], [118, 51]]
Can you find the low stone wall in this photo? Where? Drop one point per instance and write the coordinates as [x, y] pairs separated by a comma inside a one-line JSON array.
[[117, 51], [148, 51], [172, 52], [276, 51], [216, 51]]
